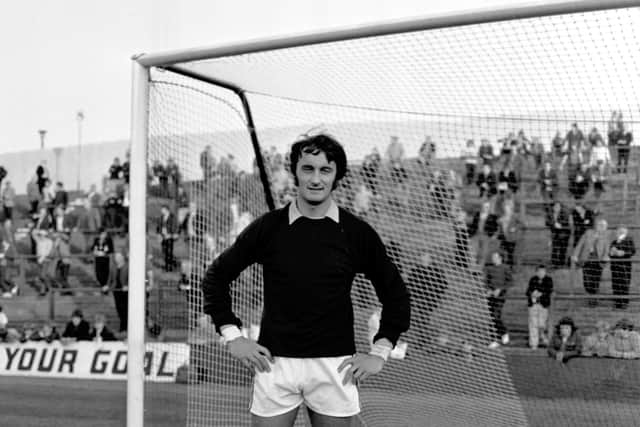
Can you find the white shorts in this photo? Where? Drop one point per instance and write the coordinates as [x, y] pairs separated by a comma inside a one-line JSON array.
[[314, 381]]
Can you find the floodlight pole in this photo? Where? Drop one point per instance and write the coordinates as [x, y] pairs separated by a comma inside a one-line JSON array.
[[137, 246], [79, 119]]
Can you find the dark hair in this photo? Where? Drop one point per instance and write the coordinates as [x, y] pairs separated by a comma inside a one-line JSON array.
[[321, 143], [566, 321], [541, 267]]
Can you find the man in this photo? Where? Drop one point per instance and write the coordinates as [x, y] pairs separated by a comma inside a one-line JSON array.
[[581, 220], [487, 182], [61, 197], [558, 222], [499, 280], [77, 328], [115, 170], [620, 252], [548, 180], [538, 300], [591, 253], [42, 172], [118, 283], [168, 231], [207, 163], [310, 251], [485, 152], [8, 200], [623, 145]]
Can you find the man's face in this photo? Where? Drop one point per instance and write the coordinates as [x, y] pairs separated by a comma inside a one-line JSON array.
[[541, 272], [565, 331], [621, 231], [315, 177], [75, 320]]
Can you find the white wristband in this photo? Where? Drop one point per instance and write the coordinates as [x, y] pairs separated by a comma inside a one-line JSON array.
[[380, 350], [230, 332]]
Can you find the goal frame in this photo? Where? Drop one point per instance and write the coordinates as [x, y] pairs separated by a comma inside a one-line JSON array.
[[171, 60]]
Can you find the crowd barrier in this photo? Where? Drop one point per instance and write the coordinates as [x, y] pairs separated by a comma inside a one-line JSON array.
[[90, 360]]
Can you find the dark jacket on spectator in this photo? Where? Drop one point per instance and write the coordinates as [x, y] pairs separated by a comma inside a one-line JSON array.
[[61, 198], [570, 348], [499, 277], [81, 332], [105, 334], [170, 225], [581, 223], [548, 180], [544, 286], [562, 219]]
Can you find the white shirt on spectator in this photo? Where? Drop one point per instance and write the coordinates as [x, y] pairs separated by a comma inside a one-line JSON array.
[[600, 154], [470, 155]]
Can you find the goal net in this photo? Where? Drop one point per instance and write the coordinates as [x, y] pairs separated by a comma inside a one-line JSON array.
[[404, 105]]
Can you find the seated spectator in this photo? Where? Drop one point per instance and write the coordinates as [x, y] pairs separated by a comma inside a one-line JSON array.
[[99, 331], [470, 157], [538, 300], [623, 145], [498, 280], [581, 220], [558, 222], [580, 182], [566, 342], [126, 166], [598, 343], [61, 197], [8, 200], [508, 176], [77, 328], [486, 182], [115, 170], [46, 333], [548, 180], [167, 230], [625, 342], [4, 322], [485, 152]]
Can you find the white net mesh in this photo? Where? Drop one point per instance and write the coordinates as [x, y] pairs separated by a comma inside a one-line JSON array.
[[415, 99]]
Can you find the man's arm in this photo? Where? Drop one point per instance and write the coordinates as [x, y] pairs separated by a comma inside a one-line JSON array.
[[216, 285]]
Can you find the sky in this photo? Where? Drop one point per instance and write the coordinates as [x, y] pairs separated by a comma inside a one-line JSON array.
[[66, 56]]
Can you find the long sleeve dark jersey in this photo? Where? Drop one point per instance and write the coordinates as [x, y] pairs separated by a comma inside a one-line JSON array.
[[308, 270]]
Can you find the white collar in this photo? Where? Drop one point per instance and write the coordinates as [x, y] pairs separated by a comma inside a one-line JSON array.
[[332, 213]]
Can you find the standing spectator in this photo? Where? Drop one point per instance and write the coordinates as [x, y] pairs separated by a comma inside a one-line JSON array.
[[483, 230], [42, 172], [510, 177], [538, 300], [99, 331], [594, 136], [126, 166], [61, 221], [580, 182], [600, 155], [167, 229], [598, 343], [61, 197], [173, 175], [8, 200], [93, 206], [362, 200], [599, 179], [537, 150], [48, 198], [573, 158], [102, 249], [427, 152], [558, 223], [625, 342], [160, 173], [34, 195], [499, 280], [77, 328], [510, 231], [557, 147], [470, 156], [566, 342], [548, 180], [486, 181], [615, 129], [575, 137], [115, 170], [581, 221], [46, 266], [112, 209], [485, 152], [624, 148], [61, 257], [207, 163], [620, 252], [591, 253], [119, 285]]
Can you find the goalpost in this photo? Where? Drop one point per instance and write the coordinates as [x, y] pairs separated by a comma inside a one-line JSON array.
[[415, 91]]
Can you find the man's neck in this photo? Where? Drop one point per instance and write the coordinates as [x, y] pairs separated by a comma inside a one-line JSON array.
[[313, 211]]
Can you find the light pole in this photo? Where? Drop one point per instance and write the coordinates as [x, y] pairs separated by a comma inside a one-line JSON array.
[[79, 119], [42, 133]]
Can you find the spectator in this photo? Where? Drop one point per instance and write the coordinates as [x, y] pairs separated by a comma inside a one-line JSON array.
[[4, 322], [486, 181], [485, 152], [573, 158], [484, 231], [207, 163], [510, 231], [61, 197], [48, 197], [499, 280], [173, 176], [168, 231], [427, 152], [118, 284], [538, 300], [600, 155], [599, 179], [620, 252], [508, 176], [34, 195], [102, 249], [470, 157], [194, 227], [581, 221], [126, 167], [575, 137], [615, 128], [8, 200], [61, 221], [566, 342], [591, 253], [99, 331], [115, 170], [77, 328], [594, 136], [537, 150], [624, 148], [625, 343], [93, 206], [42, 172], [557, 147], [46, 267], [580, 182], [46, 333], [598, 343], [112, 209], [370, 169], [548, 180], [61, 254], [160, 173], [558, 223]]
